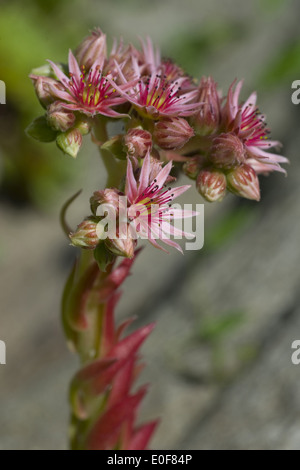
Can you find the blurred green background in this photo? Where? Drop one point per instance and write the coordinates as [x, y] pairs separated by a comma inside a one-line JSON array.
[[215, 309]]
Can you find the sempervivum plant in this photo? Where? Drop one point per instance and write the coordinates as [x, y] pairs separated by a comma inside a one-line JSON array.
[[165, 116]]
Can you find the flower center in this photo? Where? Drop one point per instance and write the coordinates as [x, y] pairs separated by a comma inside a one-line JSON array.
[[92, 88], [253, 126], [158, 92]]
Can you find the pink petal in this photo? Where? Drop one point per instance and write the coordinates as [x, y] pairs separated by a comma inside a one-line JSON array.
[[144, 176], [180, 190], [156, 245], [63, 95], [174, 231], [173, 244], [250, 101], [182, 213], [60, 75], [163, 174], [131, 186], [74, 67], [236, 94], [272, 157]]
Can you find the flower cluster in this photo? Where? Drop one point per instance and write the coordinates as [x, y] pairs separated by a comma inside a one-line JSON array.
[[147, 209], [233, 144], [165, 118], [220, 141]]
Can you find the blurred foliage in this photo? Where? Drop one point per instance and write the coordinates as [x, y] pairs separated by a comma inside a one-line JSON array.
[[30, 172], [203, 44], [214, 329], [285, 67], [230, 225]]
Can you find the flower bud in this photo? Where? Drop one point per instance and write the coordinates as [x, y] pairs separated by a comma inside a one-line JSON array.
[[105, 196], [42, 86], [211, 184], [243, 181], [70, 142], [60, 118], [207, 120], [83, 125], [227, 151], [121, 247], [137, 142], [172, 133], [85, 235], [92, 49], [191, 168]]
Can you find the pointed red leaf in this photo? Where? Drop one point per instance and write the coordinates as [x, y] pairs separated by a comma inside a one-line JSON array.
[[142, 436], [105, 433], [122, 382], [108, 332], [131, 343]]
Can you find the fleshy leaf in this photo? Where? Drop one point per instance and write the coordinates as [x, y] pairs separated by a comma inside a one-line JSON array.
[[40, 130]]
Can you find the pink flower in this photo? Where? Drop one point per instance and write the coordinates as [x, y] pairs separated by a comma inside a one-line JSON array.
[[122, 55], [151, 62], [149, 210], [150, 58], [91, 49], [88, 92], [247, 122], [172, 133], [154, 96], [207, 120]]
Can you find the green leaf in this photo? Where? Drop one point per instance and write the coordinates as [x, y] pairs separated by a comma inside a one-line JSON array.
[[214, 329], [115, 146], [40, 130]]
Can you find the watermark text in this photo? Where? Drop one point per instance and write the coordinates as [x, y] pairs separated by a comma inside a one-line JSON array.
[[2, 92], [296, 93], [2, 352], [151, 221], [296, 354]]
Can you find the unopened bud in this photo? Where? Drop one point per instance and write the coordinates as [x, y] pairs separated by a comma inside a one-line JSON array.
[[137, 142], [191, 168], [172, 133], [121, 247], [207, 120], [60, 118], [227, 151], [83, 125], [85, 235], [105, 196], [70, 142], [244, 182], [43, 86], [211, 184], [92, 49]]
